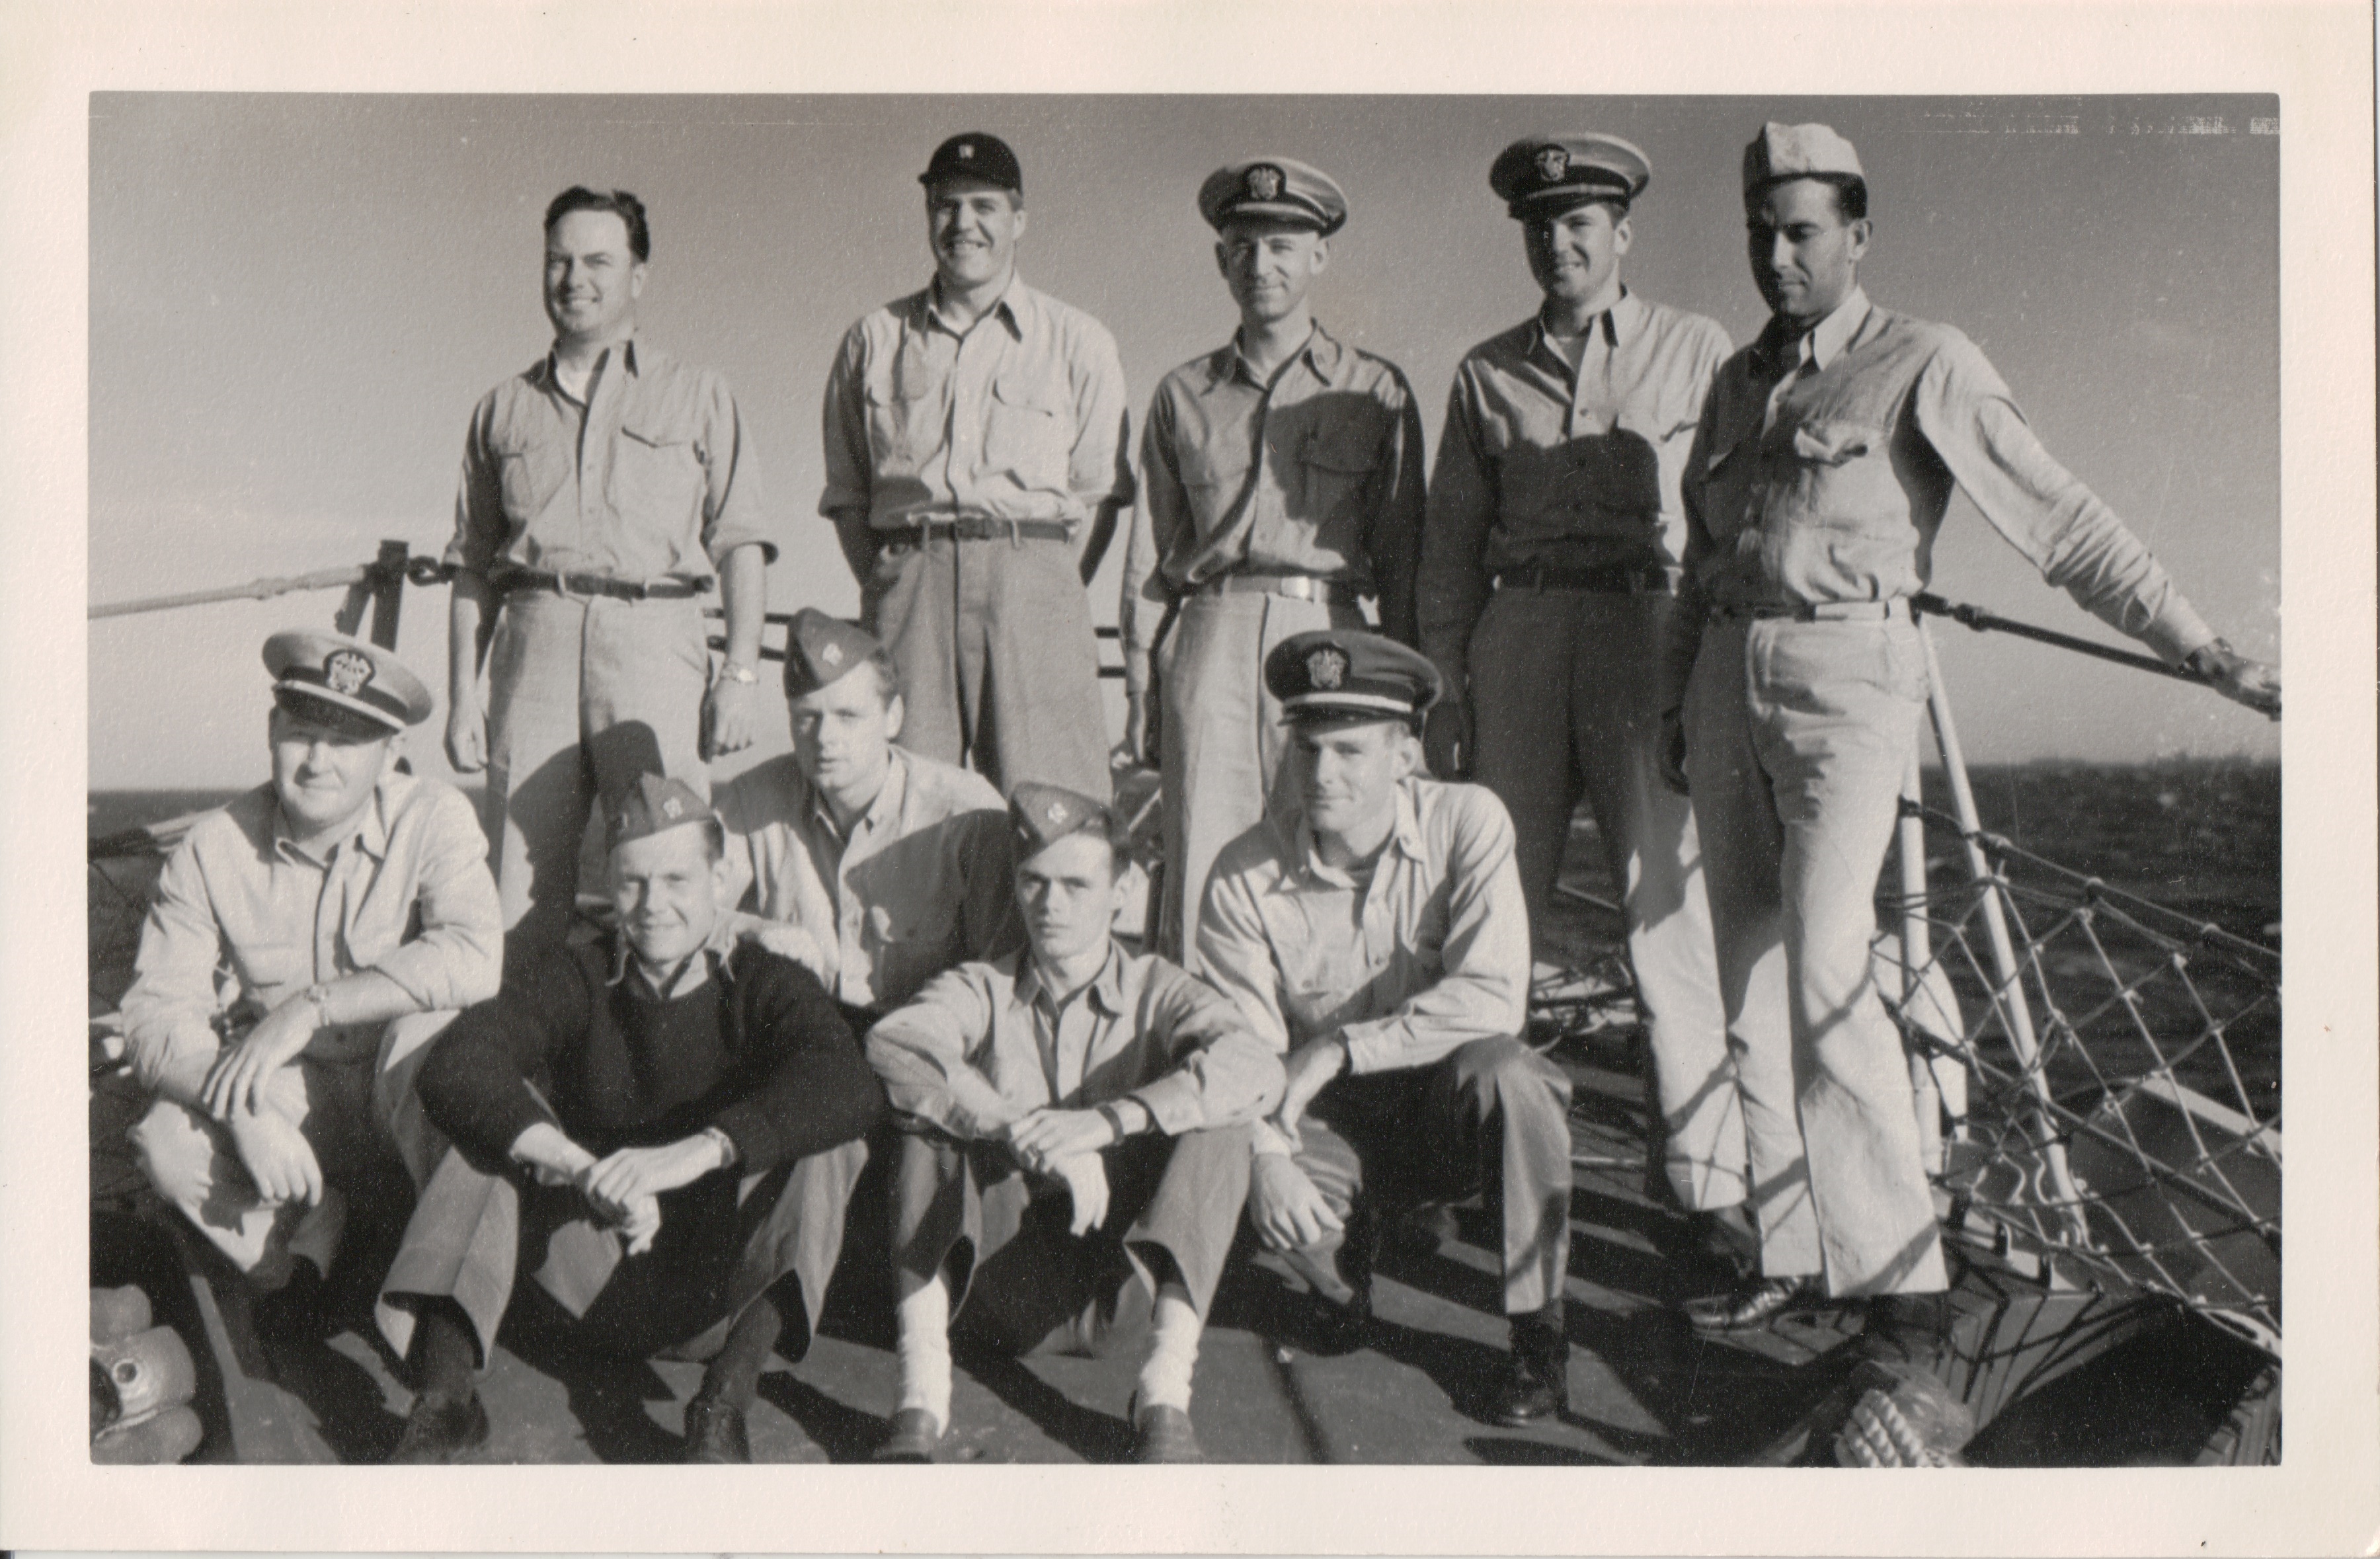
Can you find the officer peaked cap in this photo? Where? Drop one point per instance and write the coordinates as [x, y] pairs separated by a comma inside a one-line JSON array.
[[1544, 174], [1345, 673], [1276, 190], [347, 674]]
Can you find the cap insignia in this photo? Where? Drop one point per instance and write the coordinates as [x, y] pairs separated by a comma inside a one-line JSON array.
[[1327, 667], [1264, 182], [967, 149], [1055, 813], [672, 808], [831, 654], [1553, 162], [346, 672]]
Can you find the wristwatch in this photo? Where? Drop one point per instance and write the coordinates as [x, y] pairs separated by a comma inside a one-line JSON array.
[[727, 1153], [729, 671], [1114, 1118], [319, 996], [2201, 661]]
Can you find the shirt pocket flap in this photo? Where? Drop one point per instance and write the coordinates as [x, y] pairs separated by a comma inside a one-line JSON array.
[[1833, 444], [1653, 427], [658, 434], [1353, 450], [1029, 392]]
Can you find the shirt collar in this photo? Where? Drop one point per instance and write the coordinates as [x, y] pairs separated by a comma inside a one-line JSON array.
[[881, 811], [1106, 988], [368, 833], [631, 359], [1011, 307], [1822, 343], [711, 958], [1403, 839], [1321, 352], [1619, 322]]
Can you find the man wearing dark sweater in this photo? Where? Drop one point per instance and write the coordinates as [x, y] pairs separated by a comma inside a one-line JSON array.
[[597, 1107]]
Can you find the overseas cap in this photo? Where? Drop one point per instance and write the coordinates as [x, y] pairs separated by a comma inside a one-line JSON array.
[[654, 805], [1782, 151], [974, 156], [1280, 188], [1043, 814], [1542, 174], [1342, 673], [349, 672], [820, 649]]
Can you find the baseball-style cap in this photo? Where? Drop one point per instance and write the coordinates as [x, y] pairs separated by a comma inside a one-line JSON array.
[[1345, 673], [820, 649], [1278, 189], [974, 156], [1544, 174], [1783, 151], [654, 805], [1043, 814], [349, 674]]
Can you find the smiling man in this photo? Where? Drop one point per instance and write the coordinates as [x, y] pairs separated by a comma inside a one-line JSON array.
[[1281, 482], [664, 1131], [1075, 1151], [976, 461], [603, 488], [1793, 686], [351, 904], [1376, 936]]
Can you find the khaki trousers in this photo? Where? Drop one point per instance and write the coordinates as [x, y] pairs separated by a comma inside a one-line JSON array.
[[1798, 736], [724, 1241], [1022, 1284], [1564, 695]]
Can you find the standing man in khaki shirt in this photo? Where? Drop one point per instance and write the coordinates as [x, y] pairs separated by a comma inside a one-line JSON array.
[[1281, 482], [1820, 475], [1546, 588], [974, 465], [602, 489]]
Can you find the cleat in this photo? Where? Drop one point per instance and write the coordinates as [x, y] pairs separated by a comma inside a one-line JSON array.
[[438, 1433], [716, 1433], [912, 1440], [1757, 1303]]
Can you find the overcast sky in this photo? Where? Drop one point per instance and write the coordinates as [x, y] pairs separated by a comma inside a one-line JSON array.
[[295, 301]]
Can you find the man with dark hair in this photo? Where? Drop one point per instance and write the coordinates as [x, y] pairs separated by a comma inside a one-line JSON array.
[[1376, 936], [1547, 586], [1281, 482], [351, 903], [974, 465], [603, 488], [1077, 1150], [664, 1131], [873, 867], [1794, 683]]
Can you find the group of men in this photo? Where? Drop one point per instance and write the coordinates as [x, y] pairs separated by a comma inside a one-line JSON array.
[[1646, 569]]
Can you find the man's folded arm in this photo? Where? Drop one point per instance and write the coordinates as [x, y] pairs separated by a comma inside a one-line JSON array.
[[822, 1092], [921, 1053]]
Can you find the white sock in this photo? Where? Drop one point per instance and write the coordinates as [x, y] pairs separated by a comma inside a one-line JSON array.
[[925, 1350], [1173, 1351]]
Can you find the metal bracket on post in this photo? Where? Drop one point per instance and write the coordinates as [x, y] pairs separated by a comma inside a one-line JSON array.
[[388, 592]]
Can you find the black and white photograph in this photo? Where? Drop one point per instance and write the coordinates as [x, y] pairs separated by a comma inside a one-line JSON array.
[[1548, 779]]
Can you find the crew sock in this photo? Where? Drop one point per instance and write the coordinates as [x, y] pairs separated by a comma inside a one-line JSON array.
[[1172, 1350], [925, 1350], [733, 1376], [444, 1355]]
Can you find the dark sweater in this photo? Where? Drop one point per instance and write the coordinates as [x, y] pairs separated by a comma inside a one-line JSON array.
[[758, 1050]]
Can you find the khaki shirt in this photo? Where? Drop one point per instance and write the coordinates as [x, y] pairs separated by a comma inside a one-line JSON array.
[[653, 475], [1317, 472], [243, 919], [1429, 954], [922, 883], [1020, 417], [986, 1045]]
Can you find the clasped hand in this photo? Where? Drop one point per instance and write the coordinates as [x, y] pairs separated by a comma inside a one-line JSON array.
[[234, 1084], [1064, 1145]]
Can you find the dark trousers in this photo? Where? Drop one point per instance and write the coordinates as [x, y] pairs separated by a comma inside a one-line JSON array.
[[724, 1241], [1022, 1284]]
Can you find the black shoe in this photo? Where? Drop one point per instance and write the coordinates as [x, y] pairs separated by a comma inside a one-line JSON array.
[[1537, 1378], [1163, 1436], [293, 1312], [912, 1438], [715, 1433], [438, 1431], [1906, 1329], [1334, 1331], [1757, 1302]]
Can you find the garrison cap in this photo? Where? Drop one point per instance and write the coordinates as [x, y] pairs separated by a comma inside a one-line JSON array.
[[1277, 188], [1783, 151], [974, 156], [349, 674], [654, 805], [819, 649], [1538, 175], [1341, 673], [1043, 814]]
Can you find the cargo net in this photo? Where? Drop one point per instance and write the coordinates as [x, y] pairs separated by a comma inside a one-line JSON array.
[[2108, 1077]]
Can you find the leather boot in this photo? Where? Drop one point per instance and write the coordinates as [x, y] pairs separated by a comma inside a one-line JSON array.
[[1536, 1381]]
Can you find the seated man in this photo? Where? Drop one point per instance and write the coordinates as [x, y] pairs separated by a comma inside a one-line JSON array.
[[1081, 1146], [871, 865], [667, 1133], [304, 943], [1380, 932]]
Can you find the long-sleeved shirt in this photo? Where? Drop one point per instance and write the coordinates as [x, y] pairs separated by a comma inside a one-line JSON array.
[[1824, 465], [1021, 415], [652, 475], [921, 882], [244, 919], [988, 1043], [1318, 471], [1543, 464], [579, 1039], [1428, 953]]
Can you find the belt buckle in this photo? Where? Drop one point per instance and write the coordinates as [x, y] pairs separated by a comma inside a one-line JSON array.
[[563, 588]]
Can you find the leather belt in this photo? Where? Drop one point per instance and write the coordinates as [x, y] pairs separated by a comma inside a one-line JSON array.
[[1611, 579], [1820, 611], [1301, 587], [980, 527], [667, 588]]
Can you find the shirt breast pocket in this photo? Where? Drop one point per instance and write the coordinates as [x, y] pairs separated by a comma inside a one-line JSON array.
[[657, 478], [1027, 432], [1337, 462], [906, 948], [1842, 470], [271, 970], [527, 476], [897, 422]]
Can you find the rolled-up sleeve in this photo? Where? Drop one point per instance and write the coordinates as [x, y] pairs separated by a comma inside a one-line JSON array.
[[1099, 469], [843, 427], [923, 1051], [457, 958], [732, 511], [1450, 586], [1223, 1075], [2060, 526], [169, 1011], [480, 526], [1158, 521]]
